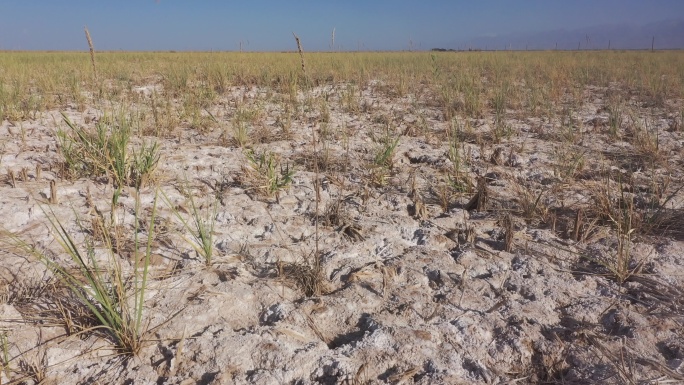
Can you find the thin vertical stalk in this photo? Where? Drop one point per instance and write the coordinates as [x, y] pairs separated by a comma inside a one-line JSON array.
[[92, 50]]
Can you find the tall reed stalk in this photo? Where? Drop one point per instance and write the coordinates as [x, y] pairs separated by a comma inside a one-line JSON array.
[[92, 51]]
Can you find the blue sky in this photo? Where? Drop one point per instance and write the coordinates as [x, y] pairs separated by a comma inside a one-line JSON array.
[[265, 25]]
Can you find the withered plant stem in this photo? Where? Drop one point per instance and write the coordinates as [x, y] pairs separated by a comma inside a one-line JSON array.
[[92, 51], [316, 261], [53, 192], [482, 194], [508, 229], [12, 179], [301, 54], [479, 200], [578, 225]]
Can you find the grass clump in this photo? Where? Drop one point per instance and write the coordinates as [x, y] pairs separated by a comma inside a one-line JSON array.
[[457, 177], [385, 154], [306, 276], [383, 161], [111, 293], [201, 226], [269, 176], [103, 151]]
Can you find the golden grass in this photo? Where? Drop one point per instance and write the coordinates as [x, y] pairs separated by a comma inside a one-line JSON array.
[[36, 81]]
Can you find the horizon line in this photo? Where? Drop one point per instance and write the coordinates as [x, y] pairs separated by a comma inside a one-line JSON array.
[[431, 50]]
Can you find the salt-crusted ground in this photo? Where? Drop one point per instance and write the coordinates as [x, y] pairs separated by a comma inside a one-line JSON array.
[[417, 286]]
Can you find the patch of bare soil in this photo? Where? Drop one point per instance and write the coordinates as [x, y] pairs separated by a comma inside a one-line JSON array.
[[363, 238]]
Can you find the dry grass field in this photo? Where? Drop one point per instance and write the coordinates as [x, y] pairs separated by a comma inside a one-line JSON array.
[[342, 218]]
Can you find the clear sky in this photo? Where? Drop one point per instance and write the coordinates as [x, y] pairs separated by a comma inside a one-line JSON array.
[[267, 25]]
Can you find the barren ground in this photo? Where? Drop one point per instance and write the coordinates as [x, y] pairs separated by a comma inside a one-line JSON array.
[[569, 272]]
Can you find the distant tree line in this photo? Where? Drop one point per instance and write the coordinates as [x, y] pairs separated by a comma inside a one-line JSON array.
[[453, 50]]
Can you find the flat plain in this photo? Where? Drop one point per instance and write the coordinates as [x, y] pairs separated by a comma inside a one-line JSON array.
[[342, 218]]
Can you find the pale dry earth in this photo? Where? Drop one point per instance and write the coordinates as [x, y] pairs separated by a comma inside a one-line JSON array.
[[415, 290]]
